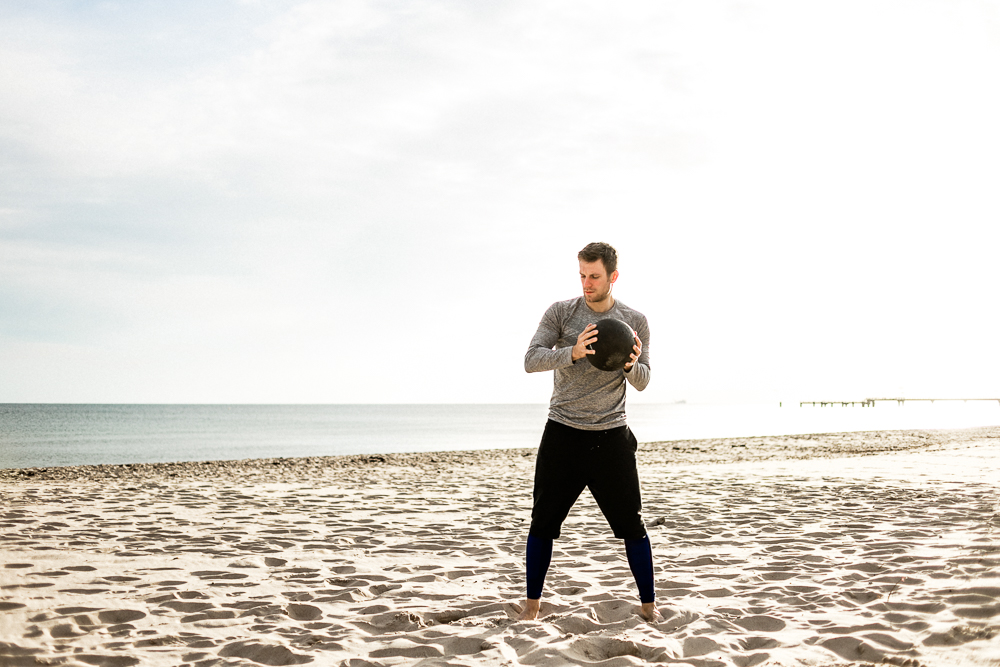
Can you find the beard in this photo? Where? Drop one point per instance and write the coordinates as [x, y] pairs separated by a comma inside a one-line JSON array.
[[598, 296]]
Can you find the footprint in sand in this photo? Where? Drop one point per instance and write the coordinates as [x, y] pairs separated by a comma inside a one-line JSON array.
[[600, 649], [304, 612], [854, 649], [265, 654], [216, 575], [397, 621], [674, 619], [961, 634], [975, 602], [576, 625], [65, 631], [382, 589], [107, 660], [760, 623], [258, 608], [613, 611], [209, 615], [187, 607], [757, 643], [698, 646]]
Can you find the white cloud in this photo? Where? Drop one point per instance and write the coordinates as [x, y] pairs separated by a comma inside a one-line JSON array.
[[802, 195]]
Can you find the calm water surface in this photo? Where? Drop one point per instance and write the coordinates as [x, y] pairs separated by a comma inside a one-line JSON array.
[[55, 435]]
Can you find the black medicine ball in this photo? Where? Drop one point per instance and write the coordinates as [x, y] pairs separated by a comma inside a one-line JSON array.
[[613, 345]]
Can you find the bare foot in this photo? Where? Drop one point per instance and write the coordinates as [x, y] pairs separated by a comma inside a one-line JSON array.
[[530, 610], [649, 612]]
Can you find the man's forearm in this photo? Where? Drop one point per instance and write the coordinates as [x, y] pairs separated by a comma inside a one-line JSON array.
[[538, 359], [638, 376]]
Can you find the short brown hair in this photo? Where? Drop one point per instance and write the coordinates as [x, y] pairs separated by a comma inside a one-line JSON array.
[[600, 251]]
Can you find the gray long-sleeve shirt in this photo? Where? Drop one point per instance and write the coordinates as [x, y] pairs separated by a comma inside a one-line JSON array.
[[582, 396]]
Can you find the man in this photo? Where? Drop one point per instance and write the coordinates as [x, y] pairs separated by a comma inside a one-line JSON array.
[[586, 441]]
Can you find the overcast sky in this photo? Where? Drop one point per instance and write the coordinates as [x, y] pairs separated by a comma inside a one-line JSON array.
[[365, 202]]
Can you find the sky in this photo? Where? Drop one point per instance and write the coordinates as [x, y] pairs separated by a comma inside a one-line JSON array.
[[375, 202]]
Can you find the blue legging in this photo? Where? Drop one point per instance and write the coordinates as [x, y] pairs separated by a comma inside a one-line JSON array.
[[538, 555]]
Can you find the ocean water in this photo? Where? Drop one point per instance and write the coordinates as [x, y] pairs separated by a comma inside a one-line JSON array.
[[57, 435]]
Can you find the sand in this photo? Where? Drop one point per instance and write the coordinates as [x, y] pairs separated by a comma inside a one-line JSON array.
[[838, 549]]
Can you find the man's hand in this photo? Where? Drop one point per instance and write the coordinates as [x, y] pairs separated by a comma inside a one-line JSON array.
[[636, 351], [586, 337]]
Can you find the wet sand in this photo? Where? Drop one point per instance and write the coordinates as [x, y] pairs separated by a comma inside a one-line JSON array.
[[836, 549]]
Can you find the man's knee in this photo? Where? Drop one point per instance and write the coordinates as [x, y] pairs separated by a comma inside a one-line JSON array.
[[628, 528], [548, 530], [632, 534]]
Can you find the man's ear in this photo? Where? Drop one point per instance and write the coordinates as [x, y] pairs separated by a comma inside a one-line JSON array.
[[614, 276]]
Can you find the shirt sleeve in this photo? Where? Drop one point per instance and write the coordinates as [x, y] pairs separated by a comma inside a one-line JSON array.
[[639, 375], [540, 355]]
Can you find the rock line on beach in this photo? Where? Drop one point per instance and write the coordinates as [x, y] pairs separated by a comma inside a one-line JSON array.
[[713, 450]]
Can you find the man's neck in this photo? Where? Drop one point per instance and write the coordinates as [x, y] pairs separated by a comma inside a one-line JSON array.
[[603, 305]]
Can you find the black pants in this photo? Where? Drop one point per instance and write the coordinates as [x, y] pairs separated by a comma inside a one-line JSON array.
[[571, 459]]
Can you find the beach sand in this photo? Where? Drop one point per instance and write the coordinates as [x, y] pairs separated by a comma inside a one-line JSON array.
[[836, 549]]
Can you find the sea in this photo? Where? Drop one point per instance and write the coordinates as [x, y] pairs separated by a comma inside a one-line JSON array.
[[46, 435]]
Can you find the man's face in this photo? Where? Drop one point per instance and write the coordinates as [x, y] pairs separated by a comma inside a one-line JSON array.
[[595, 281]]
